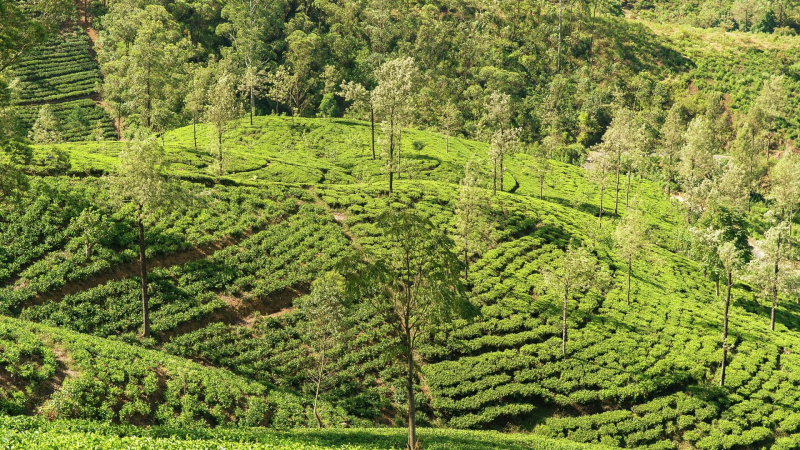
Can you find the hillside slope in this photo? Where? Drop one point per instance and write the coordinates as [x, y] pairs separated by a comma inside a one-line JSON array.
[[297, 200]]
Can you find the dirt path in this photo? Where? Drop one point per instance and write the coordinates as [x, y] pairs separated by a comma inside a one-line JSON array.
[[243, 312], [131, 269]]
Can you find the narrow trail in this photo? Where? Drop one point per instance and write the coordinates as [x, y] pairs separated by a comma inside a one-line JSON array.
[[131, 269], [240, 312]]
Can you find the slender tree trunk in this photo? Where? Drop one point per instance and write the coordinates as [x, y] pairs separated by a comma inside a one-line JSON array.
[[775, 286], [252, 105], [725, 330], [391, 152], [791, 219], [194, 129], [119, 124], [630, 263], [494, 179], [716, 288], [541, 188], [628, 189], [316, 393], [399, 148], [558, 53], [149, 101], [466, 259], [600, 213], [564, 325], [447, 143], [502, 172], [219, 155], [412, 423], [88, 247], [372, 127], [616, 189], [143, 272]]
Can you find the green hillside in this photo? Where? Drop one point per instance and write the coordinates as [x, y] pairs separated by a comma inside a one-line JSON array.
[[297, 200], [429, 224]]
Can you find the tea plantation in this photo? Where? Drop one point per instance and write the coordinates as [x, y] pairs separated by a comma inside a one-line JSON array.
[[232, 257], [64, 73]]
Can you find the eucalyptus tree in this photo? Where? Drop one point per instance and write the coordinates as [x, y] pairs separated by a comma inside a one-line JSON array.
[[250, 26], [671, 143], [197, 95], [540, 168], [785, 190], [393, 97], [766, 272], [771, 106], [145, 65], [222, 108], [472, 225], [497, 122], [571, 273], [504, 141], [141, 181], [46, 129], [697, 161], [731, 260], [622, 137], [746, 155], [450, 120], [599, 169], [630, 240], [414, 285], [324, 328]]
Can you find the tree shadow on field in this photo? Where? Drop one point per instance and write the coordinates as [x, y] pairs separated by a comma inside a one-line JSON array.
[[588, 208]]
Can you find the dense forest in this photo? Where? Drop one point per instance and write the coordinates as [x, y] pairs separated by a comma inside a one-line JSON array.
[[399, 224]]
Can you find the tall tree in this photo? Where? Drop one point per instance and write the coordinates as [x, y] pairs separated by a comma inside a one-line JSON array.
[[772, 102], [222, 108], [785, 191], [394, 97], [197, 96], [622, 137], [504, 141], [570, 274], [46, 129], [730, 257], [540, 168], [672, 141], [599, 170], [415, 285], [697, 161], [147, 67], [324, 311], [450, 121], [141, 181], [280, 83], [472, 227], [745, 154], [497, 124], [250, 25], [766, 272], [631, 241]]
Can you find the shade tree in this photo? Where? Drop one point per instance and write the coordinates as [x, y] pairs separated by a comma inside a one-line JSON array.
[[631, 239], [324, 329], [569, 276], [141, 182], [473, 227], [415, 286], [393, 97]]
